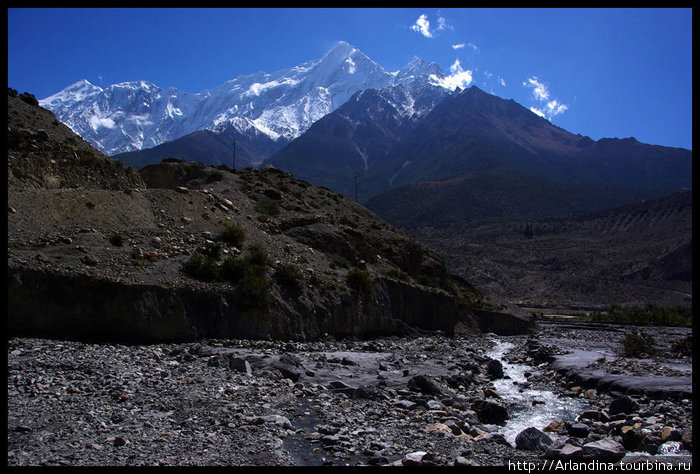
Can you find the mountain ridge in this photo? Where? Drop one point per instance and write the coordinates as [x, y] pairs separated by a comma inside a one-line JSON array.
[[136, 115]]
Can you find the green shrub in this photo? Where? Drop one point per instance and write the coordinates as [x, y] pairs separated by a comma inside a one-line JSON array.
[[233, 233], [267, 206], [359, 280], [637, 344], [248, 275], [202, 268], [257, 255], [290, 277]]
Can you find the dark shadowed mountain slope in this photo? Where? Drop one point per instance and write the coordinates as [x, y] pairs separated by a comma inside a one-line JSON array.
[[355, 138], [206, 146], [502, 192], [465, 132], [635, 254], [473, 131]]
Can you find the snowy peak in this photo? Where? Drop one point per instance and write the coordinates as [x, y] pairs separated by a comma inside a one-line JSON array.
[[135, 115], [417, 68]]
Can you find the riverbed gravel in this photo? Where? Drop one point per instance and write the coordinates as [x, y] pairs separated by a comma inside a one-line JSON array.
[[387, 401]]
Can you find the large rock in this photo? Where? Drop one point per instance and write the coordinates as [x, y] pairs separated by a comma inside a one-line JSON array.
[[604, 450], [495, 369], [490, 412], [532, 439], [424, 384], [623, 404]]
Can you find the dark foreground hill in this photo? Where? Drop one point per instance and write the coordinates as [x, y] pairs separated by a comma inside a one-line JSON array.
[[206, 252]]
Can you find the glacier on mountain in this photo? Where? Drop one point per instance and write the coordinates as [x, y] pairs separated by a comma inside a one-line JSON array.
[[135, 115]]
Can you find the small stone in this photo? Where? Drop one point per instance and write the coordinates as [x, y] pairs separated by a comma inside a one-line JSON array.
[[439, 427], [556, 426], [413, 459], [494, 369], [119, 442], [151, 256], [670, 434], [90, 260]]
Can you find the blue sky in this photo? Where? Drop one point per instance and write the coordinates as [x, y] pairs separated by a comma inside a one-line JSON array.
[[597, 72]]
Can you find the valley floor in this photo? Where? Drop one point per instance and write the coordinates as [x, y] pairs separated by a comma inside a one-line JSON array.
[[388, 401]]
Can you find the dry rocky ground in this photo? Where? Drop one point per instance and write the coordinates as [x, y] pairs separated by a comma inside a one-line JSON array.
[[426, 400]]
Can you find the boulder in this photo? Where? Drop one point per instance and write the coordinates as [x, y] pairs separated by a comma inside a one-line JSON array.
[[494, 369], [567, 451], [623, 404], [424, 384], [604, 450], [578, 430], [490, 412], [239, 364], [532, 439]]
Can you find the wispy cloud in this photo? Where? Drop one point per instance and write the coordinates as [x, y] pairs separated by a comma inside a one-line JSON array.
[[458, 77], [540, 91], [458, 46], [442, 23], [473, 46], [502, 81], [422, 26]]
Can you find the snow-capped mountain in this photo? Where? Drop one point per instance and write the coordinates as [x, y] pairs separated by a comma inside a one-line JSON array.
[[282, 105]]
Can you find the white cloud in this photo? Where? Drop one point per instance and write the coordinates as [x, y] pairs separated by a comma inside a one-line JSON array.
[[422, 26], [458, 77], [502, 81], [540, 92], [458, 46], [537, 111], [97, 122], [555, 108], [473, 46]]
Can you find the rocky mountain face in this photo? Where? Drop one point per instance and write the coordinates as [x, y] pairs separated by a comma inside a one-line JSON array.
[[206, 252], [266, 110]]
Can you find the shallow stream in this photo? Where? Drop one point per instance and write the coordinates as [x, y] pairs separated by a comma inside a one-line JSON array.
[[519, 400]]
